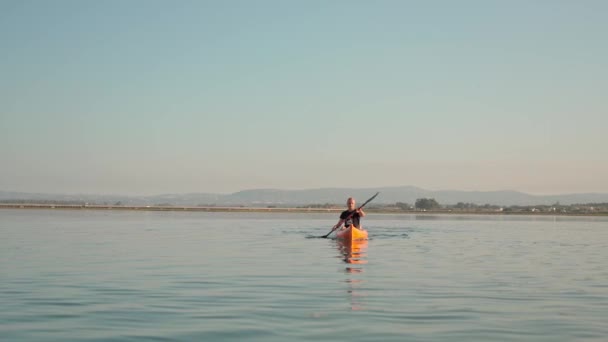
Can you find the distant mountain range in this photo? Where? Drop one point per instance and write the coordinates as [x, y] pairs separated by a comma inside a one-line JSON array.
[[265, 197]]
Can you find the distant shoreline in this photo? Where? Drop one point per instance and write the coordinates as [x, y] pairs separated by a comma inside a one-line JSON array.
[[164, 208], [31, 206]]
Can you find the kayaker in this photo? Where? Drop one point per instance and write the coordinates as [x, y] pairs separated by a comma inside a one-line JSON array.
[[352, 216]]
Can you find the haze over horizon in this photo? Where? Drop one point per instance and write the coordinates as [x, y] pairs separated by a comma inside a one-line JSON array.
[[142, 98], [346, 193]]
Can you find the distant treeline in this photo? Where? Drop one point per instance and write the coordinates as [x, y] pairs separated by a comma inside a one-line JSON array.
[[56, 202], [34, 201], [430, 204], [421, 204], [321, 206]]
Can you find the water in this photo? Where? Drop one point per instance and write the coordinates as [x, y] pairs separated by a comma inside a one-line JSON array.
[[141, 276]]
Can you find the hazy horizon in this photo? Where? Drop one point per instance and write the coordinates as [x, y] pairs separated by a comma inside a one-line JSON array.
[[145, 98], [371, 189]]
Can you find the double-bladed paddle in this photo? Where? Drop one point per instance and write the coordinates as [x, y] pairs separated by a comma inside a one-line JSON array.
[[351, 214]]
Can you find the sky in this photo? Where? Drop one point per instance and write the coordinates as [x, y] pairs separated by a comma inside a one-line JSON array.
[[150, 97]]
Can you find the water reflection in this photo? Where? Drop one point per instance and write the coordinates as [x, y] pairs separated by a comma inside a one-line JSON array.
[[353, 254]]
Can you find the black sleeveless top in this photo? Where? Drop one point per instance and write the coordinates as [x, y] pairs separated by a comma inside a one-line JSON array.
[[355, 218]]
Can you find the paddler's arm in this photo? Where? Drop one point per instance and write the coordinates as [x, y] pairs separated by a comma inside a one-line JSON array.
[[339, 223], [361, 213]]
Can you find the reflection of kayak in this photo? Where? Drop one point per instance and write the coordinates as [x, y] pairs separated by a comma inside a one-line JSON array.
[[352, 234], [354, 252]]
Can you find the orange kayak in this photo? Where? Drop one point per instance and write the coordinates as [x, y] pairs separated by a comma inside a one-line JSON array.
[[352, 234]]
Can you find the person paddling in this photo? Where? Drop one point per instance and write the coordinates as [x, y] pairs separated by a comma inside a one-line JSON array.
[[352, 216]]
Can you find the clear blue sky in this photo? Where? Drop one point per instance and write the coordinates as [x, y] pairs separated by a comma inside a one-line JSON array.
[[146, 97]]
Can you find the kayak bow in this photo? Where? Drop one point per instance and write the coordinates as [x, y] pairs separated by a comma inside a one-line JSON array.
[[352, 234]]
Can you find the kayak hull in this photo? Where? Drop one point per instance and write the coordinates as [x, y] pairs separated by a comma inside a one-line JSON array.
[[352, 234]]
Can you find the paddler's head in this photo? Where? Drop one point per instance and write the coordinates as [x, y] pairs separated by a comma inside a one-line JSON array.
[[350, 202]]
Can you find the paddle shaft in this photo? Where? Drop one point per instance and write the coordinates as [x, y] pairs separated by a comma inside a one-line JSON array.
[[351, 214]]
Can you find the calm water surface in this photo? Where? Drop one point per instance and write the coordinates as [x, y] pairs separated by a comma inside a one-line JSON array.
[[140, 276]]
